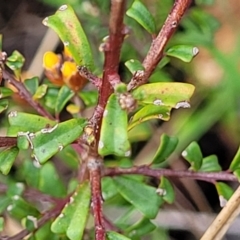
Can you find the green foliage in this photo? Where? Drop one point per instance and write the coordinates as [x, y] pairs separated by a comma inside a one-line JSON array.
[[165, 149], [73, 218], [114, 137], [140, 13], [54, 161], [66, 24]]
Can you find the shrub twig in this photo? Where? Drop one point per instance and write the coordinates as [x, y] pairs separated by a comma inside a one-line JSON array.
[[25, 94], [155, 53], [157, 173]]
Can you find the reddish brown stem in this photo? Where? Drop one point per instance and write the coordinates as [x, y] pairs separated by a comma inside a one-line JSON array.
[[94, 166], [8, 141], [112, 55], [23, 92], [155, 53], [147, 171]]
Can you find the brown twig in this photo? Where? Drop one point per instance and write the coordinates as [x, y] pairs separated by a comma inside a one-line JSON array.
[[8, 141], [155, 53], [94, 166], [23, 92], [157, 173], [112, 50], [112, 55]]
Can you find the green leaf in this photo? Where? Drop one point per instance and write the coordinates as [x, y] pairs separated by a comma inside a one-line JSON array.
[[173, 94], [141, 132], [73, 218], [116, 236], [7, 158], [141, 14], [5, 92], [134, 65], [50, 98], [4, 202], [64, 95], [141, 228], [193, 155], [49, 141], [49, 179], [224, 191], [210, 164], [167, 146], [15, 62], [23, 141], [26, 122], [69, 156], [67, 26], [108, 188], [32, 84], [20, 209], [30, 222], [183, 52], [138, 194], [235, 164], [149, 112], [113, 136], [166, 190], [89, 98], [3, 105], [40, 92]]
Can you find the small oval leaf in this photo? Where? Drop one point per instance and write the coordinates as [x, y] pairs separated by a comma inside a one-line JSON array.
[[134, 65], [113, 136], [26, 122], [40, 92], [193, 155], [210, 164], [5, 92], [141, 14], [49, 141], [183, 52], [167, 146], [64, 95], [73, 217], [7, 158], [66, 24], [169, 94], [224, 192], [32, 84], [149, 112], [166, 190], [138, 194]]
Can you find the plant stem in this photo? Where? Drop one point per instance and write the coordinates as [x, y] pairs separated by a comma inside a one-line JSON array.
[[8, 141], [112, 50], [157, 173], [94, 166], [23, 92], [155, 53]]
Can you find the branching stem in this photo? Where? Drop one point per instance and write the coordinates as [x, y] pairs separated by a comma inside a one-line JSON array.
[[157, 173], [23, 92], [155, 53]]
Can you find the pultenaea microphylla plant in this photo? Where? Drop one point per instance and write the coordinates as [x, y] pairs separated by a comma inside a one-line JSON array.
[[34, 140]]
